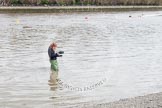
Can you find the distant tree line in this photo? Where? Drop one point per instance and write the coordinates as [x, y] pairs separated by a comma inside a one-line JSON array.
[[78, 2]]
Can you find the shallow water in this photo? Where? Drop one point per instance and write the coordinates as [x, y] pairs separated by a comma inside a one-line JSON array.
[[108, 56]]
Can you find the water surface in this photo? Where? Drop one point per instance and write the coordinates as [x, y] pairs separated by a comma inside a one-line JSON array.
[[108, 56]]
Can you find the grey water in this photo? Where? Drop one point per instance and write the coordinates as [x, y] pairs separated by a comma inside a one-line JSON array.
[[108, 56]]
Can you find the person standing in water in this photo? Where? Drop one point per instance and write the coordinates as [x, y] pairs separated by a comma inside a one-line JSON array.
[[53, 57], [53, 60]]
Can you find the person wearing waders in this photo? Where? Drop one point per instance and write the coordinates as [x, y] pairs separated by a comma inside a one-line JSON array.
[[53, 57]]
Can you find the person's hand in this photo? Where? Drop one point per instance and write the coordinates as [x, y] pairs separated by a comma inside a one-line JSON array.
[[60, 55]]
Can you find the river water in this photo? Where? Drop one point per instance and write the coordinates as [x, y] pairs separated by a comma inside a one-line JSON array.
[[108, 56]]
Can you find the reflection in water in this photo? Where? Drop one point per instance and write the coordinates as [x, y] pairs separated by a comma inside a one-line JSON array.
[[53, 80]]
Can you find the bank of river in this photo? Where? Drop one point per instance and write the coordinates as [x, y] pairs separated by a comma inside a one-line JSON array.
[[52, 9], [148, 101]]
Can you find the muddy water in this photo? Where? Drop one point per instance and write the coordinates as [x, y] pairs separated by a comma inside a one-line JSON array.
[[108, 56]]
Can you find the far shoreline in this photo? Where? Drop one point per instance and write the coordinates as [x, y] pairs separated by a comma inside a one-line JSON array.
[[58, 9]]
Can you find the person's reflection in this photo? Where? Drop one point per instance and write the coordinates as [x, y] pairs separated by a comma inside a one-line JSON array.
[[53, 80]]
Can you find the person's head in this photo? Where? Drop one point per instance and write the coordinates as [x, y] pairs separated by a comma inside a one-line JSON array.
[[53, 46]]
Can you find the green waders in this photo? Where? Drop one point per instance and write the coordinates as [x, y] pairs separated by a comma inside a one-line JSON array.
[[54, 65]]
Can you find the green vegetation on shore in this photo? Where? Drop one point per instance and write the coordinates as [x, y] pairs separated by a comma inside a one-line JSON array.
[[78, 2]]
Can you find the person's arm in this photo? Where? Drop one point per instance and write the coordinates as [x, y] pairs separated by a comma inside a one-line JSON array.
[[53, 54], [59, 55]]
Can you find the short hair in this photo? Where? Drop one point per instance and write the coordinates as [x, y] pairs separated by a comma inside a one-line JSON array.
[[53, 45]]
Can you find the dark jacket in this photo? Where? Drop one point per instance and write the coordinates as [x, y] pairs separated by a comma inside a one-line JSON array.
[[52, 54]]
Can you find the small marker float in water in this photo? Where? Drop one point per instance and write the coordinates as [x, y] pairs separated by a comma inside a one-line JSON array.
[[17, 21], [27, 27], [86, 17]]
